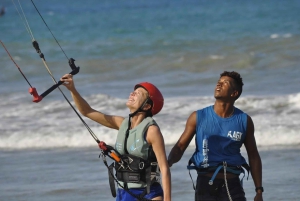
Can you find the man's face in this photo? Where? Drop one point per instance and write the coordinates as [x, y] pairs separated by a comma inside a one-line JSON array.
[[224, 88]]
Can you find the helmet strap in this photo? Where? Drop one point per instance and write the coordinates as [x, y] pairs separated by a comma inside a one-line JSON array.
[[139, 110], [129, 123]]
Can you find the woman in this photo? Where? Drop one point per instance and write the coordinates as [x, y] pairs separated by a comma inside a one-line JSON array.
[[139, 142]]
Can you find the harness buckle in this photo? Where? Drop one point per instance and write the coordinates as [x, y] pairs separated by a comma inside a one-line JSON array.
[[153, 163], [121, 165], [141, 165]]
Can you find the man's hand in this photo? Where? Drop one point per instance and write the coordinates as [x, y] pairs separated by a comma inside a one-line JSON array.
[[258, 197]]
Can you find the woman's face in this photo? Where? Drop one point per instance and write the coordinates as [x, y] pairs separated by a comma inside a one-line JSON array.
[[136, 99]]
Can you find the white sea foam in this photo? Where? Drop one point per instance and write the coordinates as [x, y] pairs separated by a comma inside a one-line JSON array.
[[54, 124]]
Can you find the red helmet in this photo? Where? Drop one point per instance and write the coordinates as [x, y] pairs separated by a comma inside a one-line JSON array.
[[154, 94]]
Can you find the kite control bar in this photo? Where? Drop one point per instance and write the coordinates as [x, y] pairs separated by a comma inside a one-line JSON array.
[[37, 98]]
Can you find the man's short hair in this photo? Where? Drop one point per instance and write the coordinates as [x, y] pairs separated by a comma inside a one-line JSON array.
[[237, 79]]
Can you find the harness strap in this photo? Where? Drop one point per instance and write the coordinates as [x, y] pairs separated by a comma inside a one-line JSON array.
[[247, 167], [112, 180], [232, 169], [211, 181], [147, 189], [192, 180], [148, 179], [228, 169]]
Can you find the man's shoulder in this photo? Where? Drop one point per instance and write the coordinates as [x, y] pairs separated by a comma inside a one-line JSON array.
[[239, 111], [202, 113], [205, 108]]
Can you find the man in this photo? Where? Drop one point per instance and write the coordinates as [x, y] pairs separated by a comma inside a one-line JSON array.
[[139, 142], [221, 130]]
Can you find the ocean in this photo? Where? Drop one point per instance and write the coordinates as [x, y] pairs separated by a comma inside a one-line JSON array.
[[180, 46]]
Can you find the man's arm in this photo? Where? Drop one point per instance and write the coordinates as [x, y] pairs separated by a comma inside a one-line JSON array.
[[184, 140], [254, 158]]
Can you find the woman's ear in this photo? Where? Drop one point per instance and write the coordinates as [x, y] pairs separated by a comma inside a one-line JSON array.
[[147, 106]]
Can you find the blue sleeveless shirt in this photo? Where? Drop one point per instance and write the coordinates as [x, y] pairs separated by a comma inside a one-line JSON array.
[[219, 139]]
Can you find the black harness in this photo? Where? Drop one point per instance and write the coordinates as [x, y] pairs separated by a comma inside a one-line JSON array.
[[214, 188], [128, 168], [132, 169]]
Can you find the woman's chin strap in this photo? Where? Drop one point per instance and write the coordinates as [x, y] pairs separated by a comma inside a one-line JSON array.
[[139, 110]]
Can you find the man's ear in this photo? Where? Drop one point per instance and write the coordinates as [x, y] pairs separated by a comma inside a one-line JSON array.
[[235, 94]]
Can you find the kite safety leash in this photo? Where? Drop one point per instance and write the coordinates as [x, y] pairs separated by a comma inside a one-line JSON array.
[[225, 179]]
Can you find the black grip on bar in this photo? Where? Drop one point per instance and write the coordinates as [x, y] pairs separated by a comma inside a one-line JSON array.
[[73, 66], [75, 71]]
